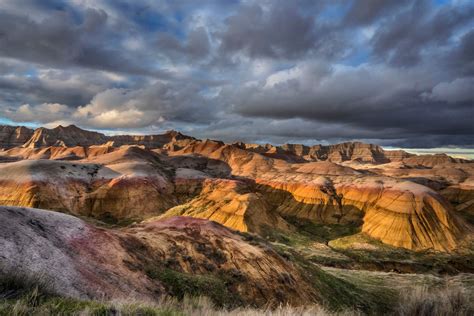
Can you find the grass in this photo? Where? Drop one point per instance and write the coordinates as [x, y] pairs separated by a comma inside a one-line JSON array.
[[335, 293], [196, 306], [27, 295], [24, 296], [218, 288], [37, 304], [373, 254], [344, 246], [421, 301], [349, 295], [313, 243], [323, 232]]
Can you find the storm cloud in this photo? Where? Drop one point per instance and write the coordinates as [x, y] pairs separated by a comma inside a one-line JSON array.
[[397, 73]]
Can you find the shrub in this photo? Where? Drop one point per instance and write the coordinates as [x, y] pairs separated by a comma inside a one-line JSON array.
[[442, 302]]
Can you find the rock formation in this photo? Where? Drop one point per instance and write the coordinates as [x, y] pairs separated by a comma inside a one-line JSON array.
[[414, 202], [14, 136], [72, 136], [79, 260]]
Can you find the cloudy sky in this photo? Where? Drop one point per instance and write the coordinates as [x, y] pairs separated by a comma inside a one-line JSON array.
[[394, 72]]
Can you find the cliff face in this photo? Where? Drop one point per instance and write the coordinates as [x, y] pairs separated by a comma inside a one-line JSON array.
[[366, 153], [244, 187], [229, 202], [127, 189], [151, 141], [397, 212], [73, 136], [14, 136], [60, 136], [432, 160]]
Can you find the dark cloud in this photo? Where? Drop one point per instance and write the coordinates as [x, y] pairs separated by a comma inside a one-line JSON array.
[[123, 108], [364, 12], [461, 57], [279, 30], [196, 46], [59, 41], [50, 86], [402, 39], [397, 73], [370, 98]]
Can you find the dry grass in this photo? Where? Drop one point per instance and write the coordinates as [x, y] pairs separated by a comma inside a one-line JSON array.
[[202, 306], [420, 302], [447, 301], [166, 307], [26, 296]]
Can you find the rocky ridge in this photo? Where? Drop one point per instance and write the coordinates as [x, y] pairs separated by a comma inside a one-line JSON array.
[[245, 187]]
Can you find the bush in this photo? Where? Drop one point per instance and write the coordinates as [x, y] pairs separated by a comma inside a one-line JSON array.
[[14, 285], [443, 302]]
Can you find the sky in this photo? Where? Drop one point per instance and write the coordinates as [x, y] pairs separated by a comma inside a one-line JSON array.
[[396, 73]]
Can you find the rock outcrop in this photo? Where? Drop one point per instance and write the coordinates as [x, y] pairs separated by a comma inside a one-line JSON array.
[[397, 212], [231, 203], [82, 261], [365, 153], [403, 200], [69, 136], [73, 136], [131, 188], [14, 136], [432, 160]]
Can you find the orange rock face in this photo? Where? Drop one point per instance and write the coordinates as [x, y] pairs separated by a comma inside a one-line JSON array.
[[231, 203], [397, 212], [414, 202], [131, 189]]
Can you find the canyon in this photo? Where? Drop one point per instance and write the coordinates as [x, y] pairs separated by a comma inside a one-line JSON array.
[[259, 217]]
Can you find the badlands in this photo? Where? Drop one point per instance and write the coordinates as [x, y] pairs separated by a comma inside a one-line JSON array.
[[348, 226]]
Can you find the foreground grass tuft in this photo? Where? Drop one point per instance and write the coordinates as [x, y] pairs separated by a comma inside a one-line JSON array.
[[26, 295], [421, 301]]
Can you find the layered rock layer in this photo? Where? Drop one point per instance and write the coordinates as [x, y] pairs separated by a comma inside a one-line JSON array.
[[82, 261], [245, 187], [231, 203]]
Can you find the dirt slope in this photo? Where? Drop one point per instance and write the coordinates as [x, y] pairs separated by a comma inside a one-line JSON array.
[[80, 260]]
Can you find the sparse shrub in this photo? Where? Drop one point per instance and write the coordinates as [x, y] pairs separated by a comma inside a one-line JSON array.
[[209, 266], [440, 302], [182, 285], [14, 285], [236, 274]]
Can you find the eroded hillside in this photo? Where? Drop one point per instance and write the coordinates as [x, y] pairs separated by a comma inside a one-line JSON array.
[[145, 202]]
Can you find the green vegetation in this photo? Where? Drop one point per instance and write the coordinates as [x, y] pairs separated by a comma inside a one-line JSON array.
[[108, 220], [22, 295], [308, 232], [338, 294], [343, 292], [37, 304], [370, 253], [323, 232], [344, 246], [216, 287]]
